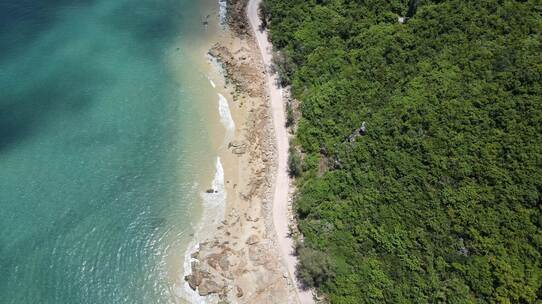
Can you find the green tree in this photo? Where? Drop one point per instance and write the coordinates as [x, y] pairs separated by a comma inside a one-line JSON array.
[[439, 201], [314, 267]]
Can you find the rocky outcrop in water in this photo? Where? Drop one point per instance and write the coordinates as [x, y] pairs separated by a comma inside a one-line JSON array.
[[240, 263]]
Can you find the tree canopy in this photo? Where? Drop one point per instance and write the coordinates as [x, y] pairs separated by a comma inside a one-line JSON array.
[[440, 200]]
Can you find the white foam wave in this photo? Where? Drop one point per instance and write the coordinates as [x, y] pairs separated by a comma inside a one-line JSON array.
[[216, 198], [225, 117], [212, 82], [214, 203], [188, 294], [222, 9]]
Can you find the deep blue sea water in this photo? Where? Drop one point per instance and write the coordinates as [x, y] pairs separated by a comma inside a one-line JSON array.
[[100, 146]]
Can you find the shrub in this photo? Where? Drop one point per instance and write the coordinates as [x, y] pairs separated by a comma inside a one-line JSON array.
[[294, 163], [284, 67], [314, 268], [289, 115], [264, 14]]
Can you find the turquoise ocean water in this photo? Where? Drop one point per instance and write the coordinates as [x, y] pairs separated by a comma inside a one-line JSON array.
[[101, 146]]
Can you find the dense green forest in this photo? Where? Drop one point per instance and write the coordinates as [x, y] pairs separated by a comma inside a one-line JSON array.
[[439, 200]]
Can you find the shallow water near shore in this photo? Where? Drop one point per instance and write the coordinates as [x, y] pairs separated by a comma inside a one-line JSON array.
[[106, 122]]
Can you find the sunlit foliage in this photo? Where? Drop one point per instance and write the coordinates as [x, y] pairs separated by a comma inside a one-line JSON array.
[[440, 200]]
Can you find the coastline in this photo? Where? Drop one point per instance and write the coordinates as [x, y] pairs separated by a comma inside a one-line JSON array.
[[244, 253], [236, 257]]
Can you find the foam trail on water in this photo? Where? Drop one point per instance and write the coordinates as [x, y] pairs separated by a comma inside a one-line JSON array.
[[222, 9], [218, 197], [212, 82], [184, 291], [225, 117], [214, 204], [187, 293]]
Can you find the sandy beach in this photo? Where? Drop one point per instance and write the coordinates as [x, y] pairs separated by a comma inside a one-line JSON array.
[[237, 259], [248, 257]]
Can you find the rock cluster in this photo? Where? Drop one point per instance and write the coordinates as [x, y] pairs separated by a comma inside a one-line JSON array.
[[237, 147], [236, 19], [241, 69], [238, 272], [240, 263]]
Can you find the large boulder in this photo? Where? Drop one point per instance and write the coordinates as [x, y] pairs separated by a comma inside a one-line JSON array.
[[194, 280], [210, 286]]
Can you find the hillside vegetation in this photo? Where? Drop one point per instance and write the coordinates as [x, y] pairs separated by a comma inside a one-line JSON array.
[[439, 201]]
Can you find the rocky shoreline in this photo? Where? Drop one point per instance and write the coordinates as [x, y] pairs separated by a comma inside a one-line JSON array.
[[240, 263]]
